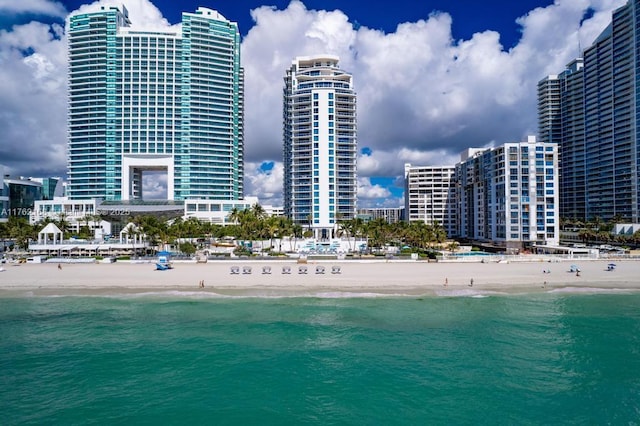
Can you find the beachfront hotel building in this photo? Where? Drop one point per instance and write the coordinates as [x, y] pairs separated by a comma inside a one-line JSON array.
[[320, 144], [508, 196], [430, 196], [599, 106], [165, 100]]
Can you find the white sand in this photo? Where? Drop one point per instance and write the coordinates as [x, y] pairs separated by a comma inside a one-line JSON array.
[[383, 277]]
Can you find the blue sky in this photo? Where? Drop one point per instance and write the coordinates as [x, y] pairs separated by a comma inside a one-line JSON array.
[[433, 77], [470, 16]]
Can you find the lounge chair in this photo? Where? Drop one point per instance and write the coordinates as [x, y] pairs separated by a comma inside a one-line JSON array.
[[246, 269], [266, 269], [302, 269], [335, 269], [235, 270], [286, 269], [319, 269]]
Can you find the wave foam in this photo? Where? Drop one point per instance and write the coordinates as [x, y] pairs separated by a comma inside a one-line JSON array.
[[478, 294], [589, 290]]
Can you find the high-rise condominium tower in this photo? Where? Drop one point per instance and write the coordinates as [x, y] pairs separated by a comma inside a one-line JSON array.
[[319, 126], [561, 121], [430, 196], [597, 105], [142, 99]]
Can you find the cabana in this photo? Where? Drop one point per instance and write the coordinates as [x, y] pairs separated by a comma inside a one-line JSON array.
[[50, 234]]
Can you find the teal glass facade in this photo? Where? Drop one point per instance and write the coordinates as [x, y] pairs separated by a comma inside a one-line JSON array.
[[143, 100]]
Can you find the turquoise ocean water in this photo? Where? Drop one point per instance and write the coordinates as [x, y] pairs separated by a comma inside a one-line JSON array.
[[188, 358]]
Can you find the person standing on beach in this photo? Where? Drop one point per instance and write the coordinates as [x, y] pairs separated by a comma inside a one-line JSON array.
[[471, 283], [446, 282]]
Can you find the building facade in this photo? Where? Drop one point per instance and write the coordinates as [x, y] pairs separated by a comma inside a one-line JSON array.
[[430, 196], [4, 198], [508, 196], [600, 139], [389, 214], [22, 195], [610, 116], [320, 144], [144, 100], [51, 187], [561, 121], [216, 211]]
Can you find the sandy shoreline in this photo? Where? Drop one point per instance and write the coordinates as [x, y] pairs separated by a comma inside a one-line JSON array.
[[362, 277]]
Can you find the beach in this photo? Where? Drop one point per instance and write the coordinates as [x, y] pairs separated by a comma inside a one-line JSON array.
[[351, 276]]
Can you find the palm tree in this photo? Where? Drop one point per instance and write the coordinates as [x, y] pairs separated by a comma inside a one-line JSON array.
[[234, 215], [258, 212], [63, 225], [20, 231], [296, 232]]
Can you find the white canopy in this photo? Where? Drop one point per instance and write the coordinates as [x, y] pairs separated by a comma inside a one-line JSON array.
[[50, 233]]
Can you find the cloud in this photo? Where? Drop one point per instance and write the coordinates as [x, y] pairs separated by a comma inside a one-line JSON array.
[[33, 92], [423, 96], [142, 13], [266, 184], [154, 185], [33, 7], [367, 190]]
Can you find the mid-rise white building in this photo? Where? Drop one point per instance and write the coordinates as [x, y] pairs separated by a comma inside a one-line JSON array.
[[508, 195], [430, 196], [390, 214], [216, 211], [320, 146]]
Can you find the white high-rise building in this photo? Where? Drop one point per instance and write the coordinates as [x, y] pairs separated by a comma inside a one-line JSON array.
[[508, 195], [430, 196], [320, 144]]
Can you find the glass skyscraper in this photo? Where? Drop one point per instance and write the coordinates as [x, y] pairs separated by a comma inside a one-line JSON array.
[[611, 119], [147, 100], [599, 114], [320, 144], [561, 121]]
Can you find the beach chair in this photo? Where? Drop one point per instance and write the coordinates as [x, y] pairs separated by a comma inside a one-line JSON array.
[[302, 269], [286, 269], [319, 269], [235, 270], [266, 269], [246, 269], [335, 269]]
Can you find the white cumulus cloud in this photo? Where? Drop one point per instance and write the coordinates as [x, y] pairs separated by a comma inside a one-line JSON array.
[[33, 7]]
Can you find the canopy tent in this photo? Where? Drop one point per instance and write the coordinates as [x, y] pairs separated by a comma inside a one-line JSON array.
[[50, 233], [131, 234]]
